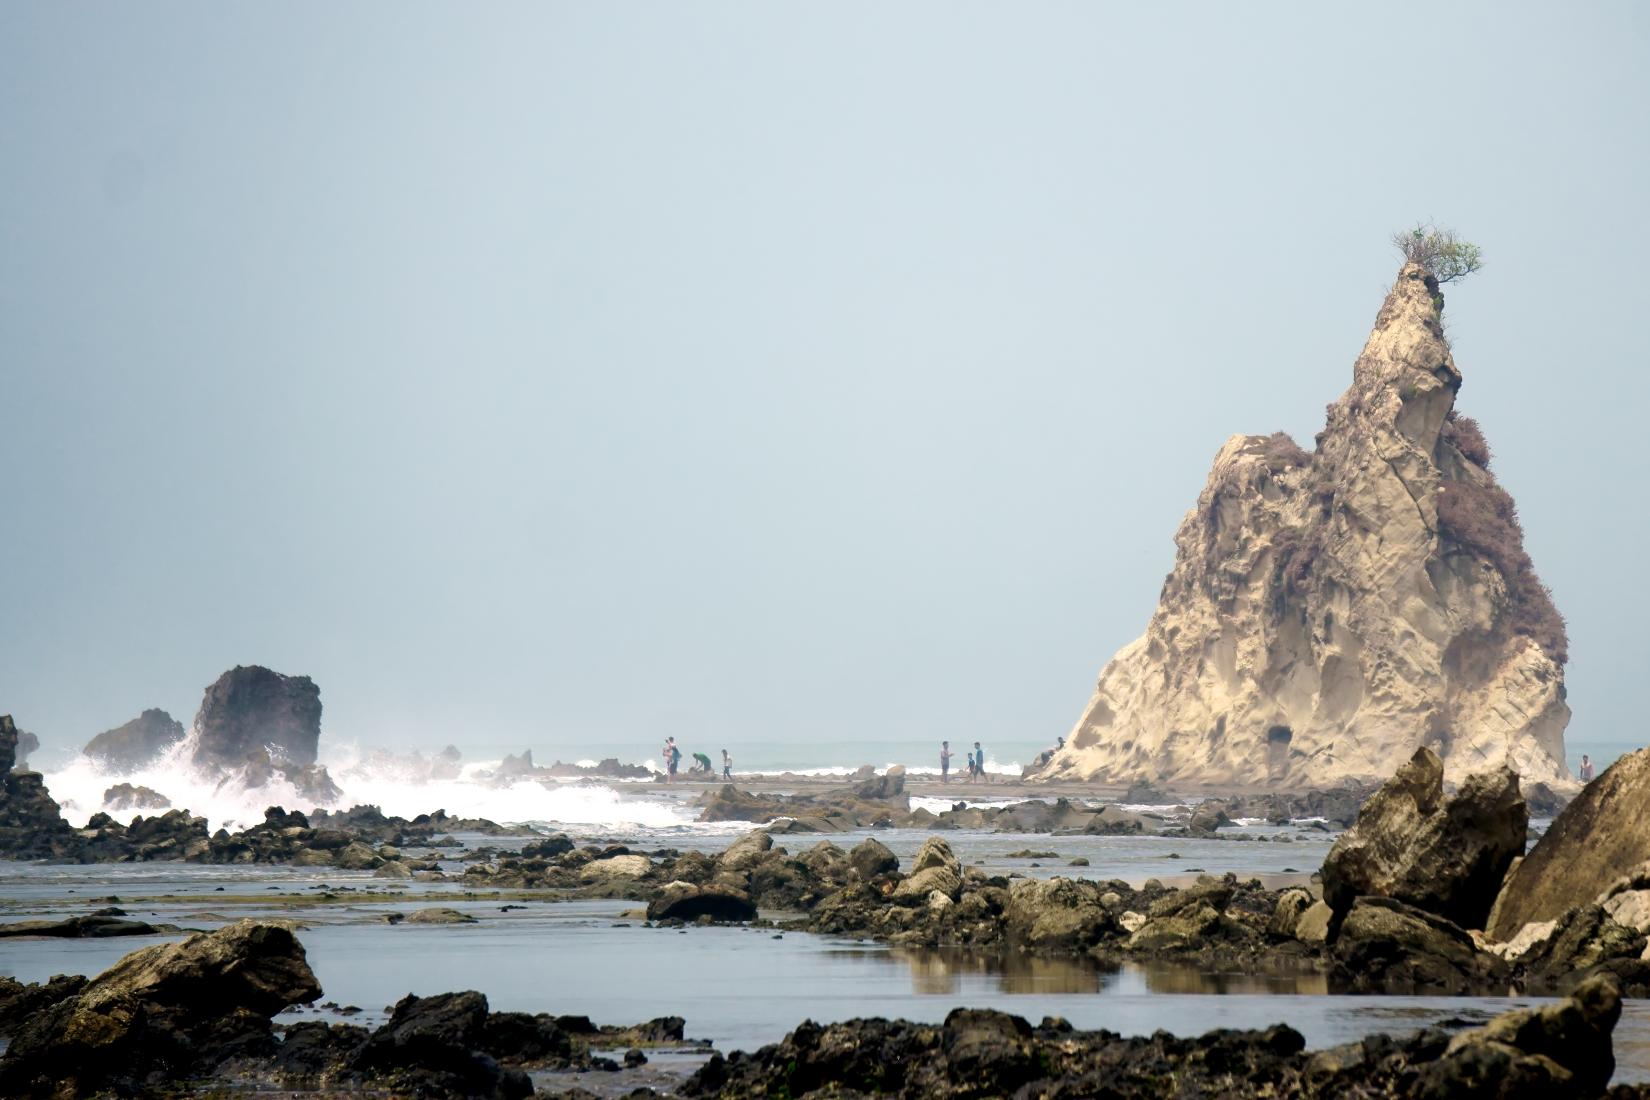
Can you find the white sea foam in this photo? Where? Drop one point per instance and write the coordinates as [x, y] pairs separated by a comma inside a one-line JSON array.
[[399, 785]]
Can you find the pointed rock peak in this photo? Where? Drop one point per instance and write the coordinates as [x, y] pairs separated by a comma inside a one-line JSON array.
[[1330, 612]]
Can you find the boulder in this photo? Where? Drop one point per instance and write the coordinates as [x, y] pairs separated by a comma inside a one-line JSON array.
[[250, 708], [1584, 940], [1286, 917], [137, 744], [870, 858], [162, 1014], [879, 788], [1598, 835], [356, 856], [1056, 913], [124, 796], [686, 901], [1312, 927], [1559, 1050], [935, 868], [439, 915], [627, 866], [1386, 946], [433, 1046], [746, 852], [1445, 855]]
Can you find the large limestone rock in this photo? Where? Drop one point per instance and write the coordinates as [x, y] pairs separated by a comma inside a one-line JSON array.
[[1600, 836], [1445, 855], [1328, 612], [250, 708], [136, 744]]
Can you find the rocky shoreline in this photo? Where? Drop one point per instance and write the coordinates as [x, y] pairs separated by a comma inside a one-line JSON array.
[[197, 1018]]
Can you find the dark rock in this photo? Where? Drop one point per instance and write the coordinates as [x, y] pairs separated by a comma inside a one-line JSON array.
[[548, 848], [870, 858], [20, 1002], [124, 796], [687, 902], [137, 744], [88, 927], [882, 787], [1447, 856], [162, 1014], [434, 1046], [1386, 946], [1560, 1050], [250, 708], [1585, 941], [1599, 835]]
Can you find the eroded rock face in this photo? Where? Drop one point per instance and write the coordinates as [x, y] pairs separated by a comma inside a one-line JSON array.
[[1328, 612], [1445, 855], [250, 708], [137, 744], [1599, 836], [162, 1014]]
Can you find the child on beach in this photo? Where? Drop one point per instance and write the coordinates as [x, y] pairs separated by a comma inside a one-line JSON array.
[[945, 761], [727, 766], [673, 757]]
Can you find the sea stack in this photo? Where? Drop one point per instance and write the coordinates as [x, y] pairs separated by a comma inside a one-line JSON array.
[[251, 709], [1331, 612]]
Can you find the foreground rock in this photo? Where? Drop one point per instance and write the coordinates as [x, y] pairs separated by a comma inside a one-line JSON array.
[[251, 708], [1328, 611], [1600, 836], [1445, 855], [163, 1014], [195, 1018], [137, 744], [1562, 1050]]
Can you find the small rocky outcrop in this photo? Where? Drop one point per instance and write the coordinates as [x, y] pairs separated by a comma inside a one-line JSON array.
[[1561, 1050], [163, 1014], [137, 744], [251, 708], [124, 796], [1328, 611], [1599, 836], [1446, 855], [31, 823]]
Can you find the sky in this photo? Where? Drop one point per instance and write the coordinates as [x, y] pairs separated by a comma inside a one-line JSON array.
[[577, 373]]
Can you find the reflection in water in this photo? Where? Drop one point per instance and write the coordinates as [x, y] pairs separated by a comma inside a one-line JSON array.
[[940, 972]]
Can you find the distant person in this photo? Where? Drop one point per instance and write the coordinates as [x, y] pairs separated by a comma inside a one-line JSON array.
[[1586, 772], [945, 761], [701, 764], [973, 772], [727, 766], [979, 762], [673, 758]]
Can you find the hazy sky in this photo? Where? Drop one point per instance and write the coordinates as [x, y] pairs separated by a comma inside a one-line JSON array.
[[555, 373]]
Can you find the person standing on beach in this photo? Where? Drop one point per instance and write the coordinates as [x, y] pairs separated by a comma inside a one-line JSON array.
[[979, 761], [1586, 772], [727, 766], [945, 761], [673, 756]]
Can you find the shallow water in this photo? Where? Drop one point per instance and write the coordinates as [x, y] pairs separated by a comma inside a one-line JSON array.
[[736, 987]]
